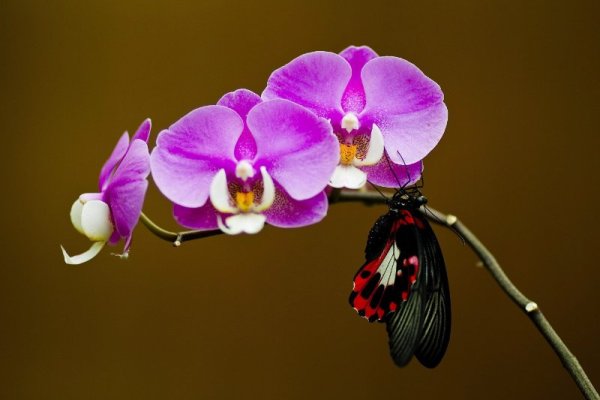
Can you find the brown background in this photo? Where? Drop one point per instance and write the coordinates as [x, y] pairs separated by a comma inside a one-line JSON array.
[[266, 316]]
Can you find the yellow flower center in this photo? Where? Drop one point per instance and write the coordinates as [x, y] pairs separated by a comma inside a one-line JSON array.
[[347, 153], [244, 201]]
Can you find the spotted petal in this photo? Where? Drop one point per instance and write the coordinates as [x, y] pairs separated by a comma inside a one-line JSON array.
[[204, 218], [242, 101], [388, 174], [289, 213], [354, 96]]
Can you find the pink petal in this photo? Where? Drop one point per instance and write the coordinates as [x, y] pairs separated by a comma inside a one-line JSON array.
[[289, 213], [297, 147], [192, 150], [406, 105], [387, 174], [204, 217], [354, 96], [116, 156], [410, 137], [242, 101], [126, 191], [315, 80], [143, 132]]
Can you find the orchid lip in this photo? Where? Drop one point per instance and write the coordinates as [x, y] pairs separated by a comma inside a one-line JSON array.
[[250, 223], [348, 176], [222, 201]]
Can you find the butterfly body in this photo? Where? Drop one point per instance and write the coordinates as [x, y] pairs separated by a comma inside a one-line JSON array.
[[403, 282]]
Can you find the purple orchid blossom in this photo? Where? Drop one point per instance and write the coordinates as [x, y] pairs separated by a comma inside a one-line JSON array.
[[111, 214], [371, 102], [244, 162]]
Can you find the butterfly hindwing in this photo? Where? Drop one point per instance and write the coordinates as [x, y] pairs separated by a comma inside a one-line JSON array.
[[421, 325], [437, 320]]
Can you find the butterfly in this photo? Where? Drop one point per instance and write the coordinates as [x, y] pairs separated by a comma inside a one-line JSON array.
[[403, 282]]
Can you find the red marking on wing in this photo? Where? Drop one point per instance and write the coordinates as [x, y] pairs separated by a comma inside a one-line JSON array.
[[363, 294], [374, 299]]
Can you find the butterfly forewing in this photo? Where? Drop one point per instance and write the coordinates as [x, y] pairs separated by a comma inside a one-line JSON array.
[[385, 280]]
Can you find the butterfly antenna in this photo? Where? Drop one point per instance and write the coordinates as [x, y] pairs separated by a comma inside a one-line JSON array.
[[406, 169], [379, 191], [387, 159]]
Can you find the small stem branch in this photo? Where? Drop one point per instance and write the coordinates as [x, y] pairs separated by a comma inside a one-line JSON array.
[[177, 238], [529, 307]]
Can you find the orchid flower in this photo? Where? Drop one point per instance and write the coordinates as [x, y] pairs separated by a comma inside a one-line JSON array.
[[372, 103], [243, 163], [111, 214]]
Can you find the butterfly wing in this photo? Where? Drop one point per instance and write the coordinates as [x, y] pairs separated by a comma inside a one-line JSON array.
[[384, 281], [421, 325], [437, 319]]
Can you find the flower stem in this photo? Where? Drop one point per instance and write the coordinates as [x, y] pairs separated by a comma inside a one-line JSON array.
[[530, 308], [177, 238]]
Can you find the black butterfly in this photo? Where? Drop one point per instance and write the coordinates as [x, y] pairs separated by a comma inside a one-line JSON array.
[[403, 282]]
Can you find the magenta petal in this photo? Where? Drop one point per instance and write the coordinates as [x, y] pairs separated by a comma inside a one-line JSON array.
[[114, 238], [289, 213], [126, 203], [204, 218], [116, 156], [192, 151], [410, 137], [242, 101], [143, 132], [396, 86], [315, 80], [354, 96], [406, 105], [127, 189], [387, 174], [297, 147]]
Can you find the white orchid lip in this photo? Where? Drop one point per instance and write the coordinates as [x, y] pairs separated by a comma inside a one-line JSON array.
[[348, 176], [92, 218], [242, 223], [247, 216]]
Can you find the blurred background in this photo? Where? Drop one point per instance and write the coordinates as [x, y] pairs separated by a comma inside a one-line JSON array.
[[267, 316]]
